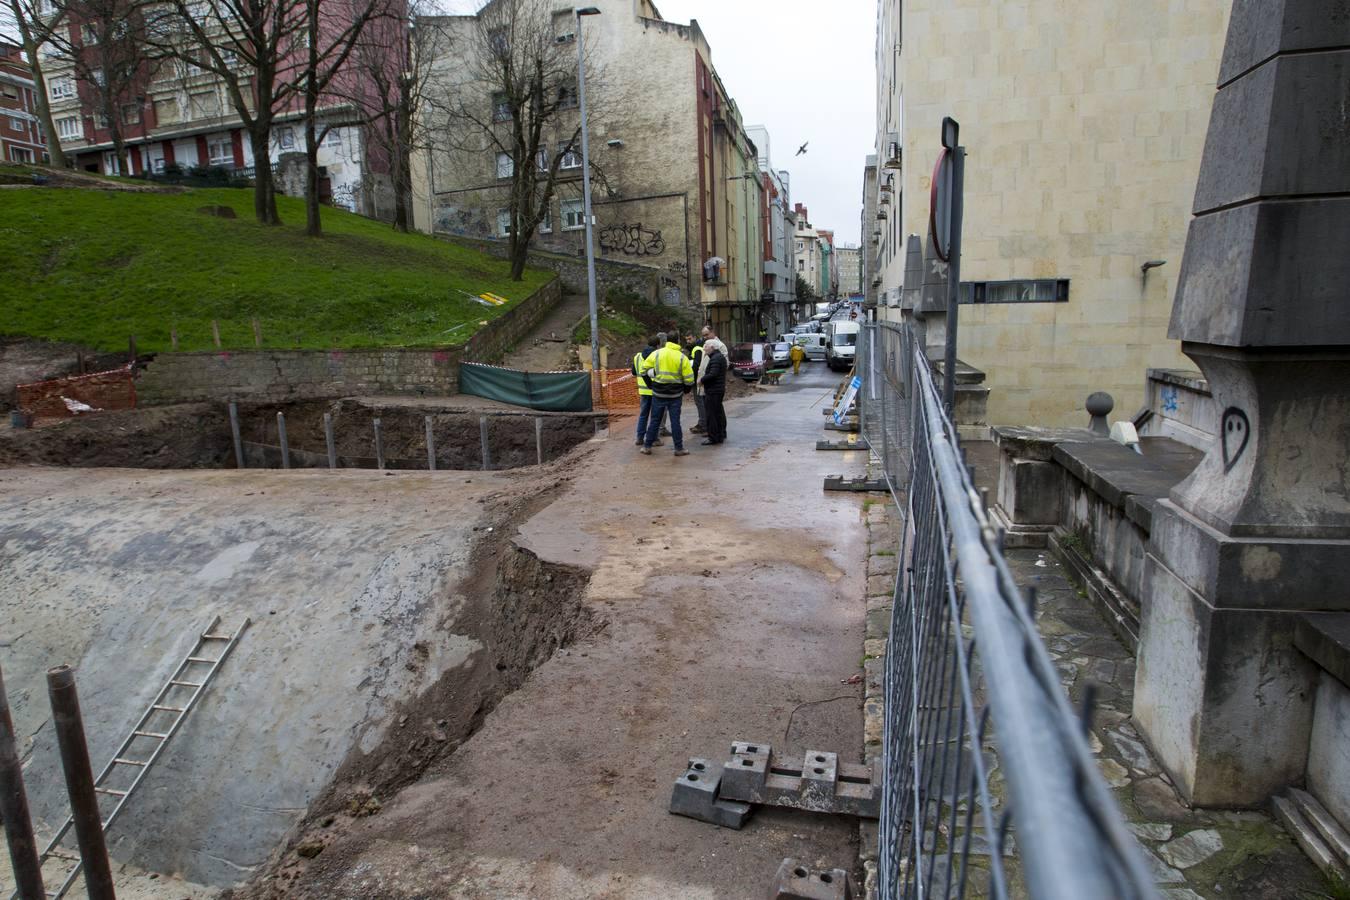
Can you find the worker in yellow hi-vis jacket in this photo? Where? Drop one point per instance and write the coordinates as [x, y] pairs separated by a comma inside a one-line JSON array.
[[670, 376]]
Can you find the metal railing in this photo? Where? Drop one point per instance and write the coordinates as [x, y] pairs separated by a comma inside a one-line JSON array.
[[980, 742]]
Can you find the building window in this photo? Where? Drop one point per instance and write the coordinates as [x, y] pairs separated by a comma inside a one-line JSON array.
[[567, 95], [801, 265], [220, 151], [68, 128], [501, 107], [203, 105], [506, 166], [573, 214], [20, 155], [503, 223], [800, 248], [1041, 290], [62, 87], [286, 138], [546, 223], [89, 35], [541, 160], [333, 138], [571, 157], [167, 111], [16, 124], [131, 114]]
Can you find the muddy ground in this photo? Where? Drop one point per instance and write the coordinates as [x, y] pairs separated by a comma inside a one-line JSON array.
[[197, 436]]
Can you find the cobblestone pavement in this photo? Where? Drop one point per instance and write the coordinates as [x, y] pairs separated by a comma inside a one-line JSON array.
[[1192, 853]]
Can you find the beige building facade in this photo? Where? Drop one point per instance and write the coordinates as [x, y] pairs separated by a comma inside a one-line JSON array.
[[1084, 131], [676, 182]]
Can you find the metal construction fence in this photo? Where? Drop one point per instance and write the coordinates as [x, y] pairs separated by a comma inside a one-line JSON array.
[[982, 750]]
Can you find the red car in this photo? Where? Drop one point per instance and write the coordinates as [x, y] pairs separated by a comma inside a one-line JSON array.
[[743, 362]]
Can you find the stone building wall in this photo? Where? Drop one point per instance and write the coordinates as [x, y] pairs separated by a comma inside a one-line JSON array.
[[1085, 134]]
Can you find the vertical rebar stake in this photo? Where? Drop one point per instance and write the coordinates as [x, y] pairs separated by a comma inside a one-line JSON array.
[[84, 809], [539, 439], [234, 430], [281, 437], [23, 852], [483, 432], [328, 439], [431, 447], [379, 445]]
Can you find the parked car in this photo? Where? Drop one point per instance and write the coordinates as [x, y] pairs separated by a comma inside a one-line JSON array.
[[781, 354], [841, 343], [743, 362]]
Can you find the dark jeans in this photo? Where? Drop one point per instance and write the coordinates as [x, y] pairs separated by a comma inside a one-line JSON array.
[[717, 417], [665, 406], [644, 410]]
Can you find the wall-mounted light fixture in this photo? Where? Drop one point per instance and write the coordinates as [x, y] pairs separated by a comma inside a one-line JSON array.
[[1152, 264]]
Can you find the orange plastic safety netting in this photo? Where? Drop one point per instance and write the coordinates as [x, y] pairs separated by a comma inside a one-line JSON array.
[[614, 390]]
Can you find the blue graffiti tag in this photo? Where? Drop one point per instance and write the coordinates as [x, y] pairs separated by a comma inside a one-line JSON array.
[[1169, 399]]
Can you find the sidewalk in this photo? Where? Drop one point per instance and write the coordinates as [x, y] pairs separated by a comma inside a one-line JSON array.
[[733, 589]]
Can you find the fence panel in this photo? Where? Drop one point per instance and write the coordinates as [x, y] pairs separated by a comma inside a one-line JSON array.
[[61, 398], [980, 743]]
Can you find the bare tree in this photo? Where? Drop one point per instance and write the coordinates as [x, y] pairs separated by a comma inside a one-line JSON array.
[[31, 25], [333, 29], [105, 39], [511, 91], [255, 48], [386, 82]]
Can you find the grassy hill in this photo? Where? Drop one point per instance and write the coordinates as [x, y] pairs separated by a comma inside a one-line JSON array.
[[96, 266]]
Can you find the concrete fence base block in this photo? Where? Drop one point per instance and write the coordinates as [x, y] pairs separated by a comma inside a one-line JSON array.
[[840, 483], [696, 795], [816, 782], [859, 444], [798, 881]]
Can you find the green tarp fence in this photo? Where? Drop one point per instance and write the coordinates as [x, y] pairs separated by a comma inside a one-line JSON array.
[[550, 391]]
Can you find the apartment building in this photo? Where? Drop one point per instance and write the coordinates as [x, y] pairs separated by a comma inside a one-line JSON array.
[[1084, 134], [779, 231], [677, 183], [178, 114], [849, 260], [21, 136], [815, 257]]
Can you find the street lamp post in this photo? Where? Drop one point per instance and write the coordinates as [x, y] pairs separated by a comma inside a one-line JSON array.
[[586, 192]]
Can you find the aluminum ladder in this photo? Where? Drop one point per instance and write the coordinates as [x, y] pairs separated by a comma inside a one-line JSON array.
[[148, 738]]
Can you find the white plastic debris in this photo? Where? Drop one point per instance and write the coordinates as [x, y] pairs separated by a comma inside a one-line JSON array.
[[76, 407]]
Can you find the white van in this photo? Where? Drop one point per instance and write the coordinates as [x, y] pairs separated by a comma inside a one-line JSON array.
[[841, 344], [813, 344]]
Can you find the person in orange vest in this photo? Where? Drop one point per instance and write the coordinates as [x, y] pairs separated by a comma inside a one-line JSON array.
[[670, 376]]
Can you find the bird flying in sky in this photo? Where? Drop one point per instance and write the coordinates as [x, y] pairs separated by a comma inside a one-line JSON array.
[[801, 149]]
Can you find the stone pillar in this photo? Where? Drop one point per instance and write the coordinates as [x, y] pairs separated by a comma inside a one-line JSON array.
[[1261, 530]]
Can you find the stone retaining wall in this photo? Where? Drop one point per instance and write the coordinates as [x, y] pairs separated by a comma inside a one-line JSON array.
[[645, 281], [285, 375]]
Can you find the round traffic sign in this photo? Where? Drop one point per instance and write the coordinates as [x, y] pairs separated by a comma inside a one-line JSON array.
[[940, 206]]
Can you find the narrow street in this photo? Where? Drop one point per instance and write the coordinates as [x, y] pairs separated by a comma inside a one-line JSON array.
[[733, 589]]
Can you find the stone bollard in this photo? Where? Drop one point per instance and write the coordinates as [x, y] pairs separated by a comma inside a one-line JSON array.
[[1099, 406]]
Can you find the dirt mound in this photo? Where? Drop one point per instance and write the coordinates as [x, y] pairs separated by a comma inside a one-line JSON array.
[[192, 436]]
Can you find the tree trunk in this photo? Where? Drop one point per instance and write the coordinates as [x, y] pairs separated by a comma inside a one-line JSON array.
[[313, 227], [264, 197], [30, 50], [520, 253]]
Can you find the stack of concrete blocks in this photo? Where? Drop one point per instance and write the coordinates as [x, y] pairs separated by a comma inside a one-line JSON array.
[[1258, 537]]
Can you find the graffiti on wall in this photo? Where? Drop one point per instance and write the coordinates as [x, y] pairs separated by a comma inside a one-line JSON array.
[[631, 240]]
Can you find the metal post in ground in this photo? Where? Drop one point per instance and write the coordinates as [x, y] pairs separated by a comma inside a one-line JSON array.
[[483, 433], [328, 438], [431, 447], [238, 440], [23, 852], [281, 437], [539, 439], [379, 445], [69, 728]]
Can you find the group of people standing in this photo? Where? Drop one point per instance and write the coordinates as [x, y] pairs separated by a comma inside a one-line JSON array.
[[665, 372]]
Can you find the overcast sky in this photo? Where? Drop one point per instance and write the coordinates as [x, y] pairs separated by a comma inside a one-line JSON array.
[[805, 70]]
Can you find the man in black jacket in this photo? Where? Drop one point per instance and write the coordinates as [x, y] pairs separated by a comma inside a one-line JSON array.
[[713, 386]]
